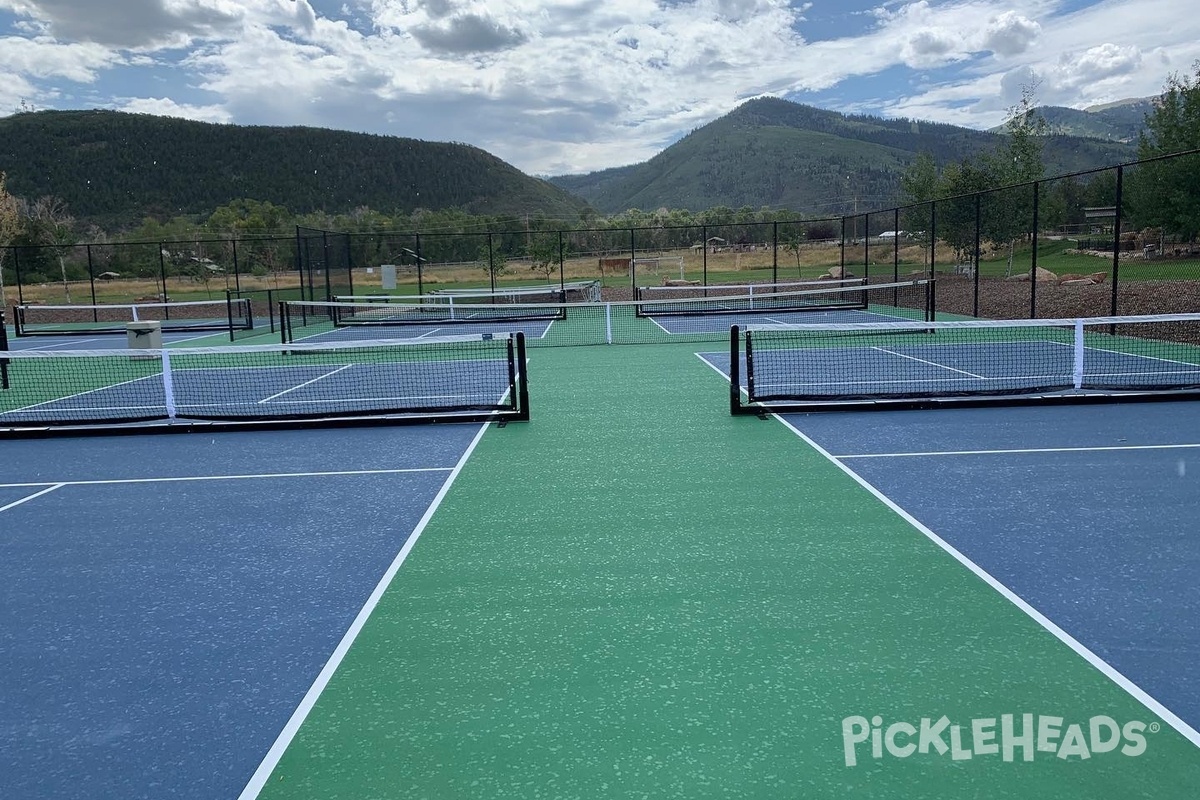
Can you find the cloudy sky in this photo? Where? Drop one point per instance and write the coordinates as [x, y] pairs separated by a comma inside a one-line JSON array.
[[579, 85]]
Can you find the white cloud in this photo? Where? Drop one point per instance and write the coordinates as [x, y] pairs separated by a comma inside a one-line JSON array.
[[42, 57], [1010, 34], [584, 84], [166, 107]]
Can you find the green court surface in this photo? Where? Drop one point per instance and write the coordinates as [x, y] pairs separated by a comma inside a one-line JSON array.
[[639, 595]]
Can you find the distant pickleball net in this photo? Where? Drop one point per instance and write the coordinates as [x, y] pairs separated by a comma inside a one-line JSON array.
[[733, 298], [699, 314], [447, 378], [231, 314], [919, 364]]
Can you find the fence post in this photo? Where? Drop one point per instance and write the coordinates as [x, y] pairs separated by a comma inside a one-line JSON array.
[[1033, 261], [92, 282], [237, 277], [632, 262], [774, 252], [978, 223], [1116, 263], [704, 256], [420, 265], [162, 274], [491, 264], [932, 239], [866, 247], [562, 276], [896, 255], [842, 249]]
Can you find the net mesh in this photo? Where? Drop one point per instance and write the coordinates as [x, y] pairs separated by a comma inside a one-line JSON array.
[[815, 364], [465, 375], [679, 290], [629, 322], [716, 300], [201, 315]]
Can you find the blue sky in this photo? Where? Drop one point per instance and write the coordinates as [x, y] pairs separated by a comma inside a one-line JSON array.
[[579, 85]]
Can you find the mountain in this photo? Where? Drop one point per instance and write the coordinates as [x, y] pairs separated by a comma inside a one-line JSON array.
[[1116, 122], [112, 167], [772, 152]]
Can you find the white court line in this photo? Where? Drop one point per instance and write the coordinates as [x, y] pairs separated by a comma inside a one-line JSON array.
[[930, 363], [47, 490], [259, 779], [1018, 451], [654, 319], [306, 383], [70, 343], [89, 391], [256, 476], [1139, 694], [169, 340]]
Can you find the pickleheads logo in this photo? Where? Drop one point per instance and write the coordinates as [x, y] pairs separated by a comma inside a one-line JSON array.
[[1028, 734]]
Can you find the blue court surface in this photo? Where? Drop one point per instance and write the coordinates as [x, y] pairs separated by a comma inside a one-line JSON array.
[[721, 322], [1089, 514], [169, 600], [532, 330], [111, 341], [330, 387]]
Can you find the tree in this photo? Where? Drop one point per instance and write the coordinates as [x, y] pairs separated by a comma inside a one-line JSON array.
[[1020, 158], [793, 243], [920, 184], [492, 262], [543, 255], [1163, 193], [52, 225], [1008, 214], [10, 225]]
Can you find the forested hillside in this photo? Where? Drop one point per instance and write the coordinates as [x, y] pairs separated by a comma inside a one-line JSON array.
[[771, 152], [111, 167]]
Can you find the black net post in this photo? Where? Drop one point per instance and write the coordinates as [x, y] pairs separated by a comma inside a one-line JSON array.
[[735, 373], [519, 372], [3, 349]]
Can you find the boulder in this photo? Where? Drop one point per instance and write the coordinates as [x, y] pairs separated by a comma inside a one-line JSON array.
[[1043, 276]]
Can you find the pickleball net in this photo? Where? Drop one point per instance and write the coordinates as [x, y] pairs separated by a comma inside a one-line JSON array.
[[671, 297], [918, 364], [682, 319], [228, 314], [456, 378]]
